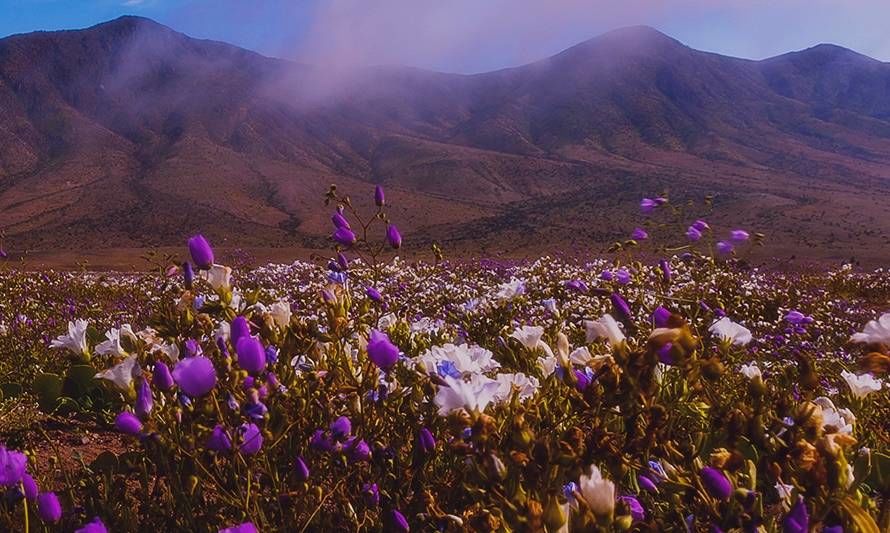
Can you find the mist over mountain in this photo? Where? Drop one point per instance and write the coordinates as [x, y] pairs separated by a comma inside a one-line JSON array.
[[129, 134]]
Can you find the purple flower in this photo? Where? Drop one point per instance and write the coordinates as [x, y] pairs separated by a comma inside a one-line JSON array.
[[381, 351], [724, 247], [374, 294], [342, 261], [583, 380], [188, 274], [379, 198], [251, 439], [660, 317], [144, 401], [393, 237], [358, 450], [606, 275], [127, 423], [30, 487], [665, 354], [647, 205], [371, 494], [12, 466], [341, 428], [344, 236], [739, 235], [398, 522], [246, 527], [48, 507], [798, 519], [622, 276], [646, 484], [201, 252], [620, 307], [426, 441], [693, 234], [319, 441], [340, 221], [639, 234], [636, 508], [96, 526], [701, 225], [301, 470], [716, 482], [576, 285], [251, 355], [239, 328], [218, 440], [195, 375], [665, 266]]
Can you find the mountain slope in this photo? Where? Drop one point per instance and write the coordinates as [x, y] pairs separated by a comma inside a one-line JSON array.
[[129, 134]]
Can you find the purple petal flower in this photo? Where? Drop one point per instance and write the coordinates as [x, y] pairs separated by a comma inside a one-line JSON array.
[[606, 275], [239, 329], [379, 198], [665, 354], [660, 317], [342, 261], [371, 494], [739, 235], [340, 221], [188, 275], [251, 439], [251, 355], [576, 285], [381, 351], [48, 507], [374, 294], [701, 225], [639, 234], [12, 466], [195, 375], [647, 205], [646, 484], [301, 470], [666, 273], [636, 508], [144, 402], [127, 423], [716, 482], [398, 522], [724, 247], [201, 252], [30, 487], [798, 519], [620, 307], [693, 234], [393, 237], [341, 428], [426, 441], [246, 527], [319, 441], [583, 380], [219, 440], [96, 526], [358, 450], [344, 236], [622, 276]]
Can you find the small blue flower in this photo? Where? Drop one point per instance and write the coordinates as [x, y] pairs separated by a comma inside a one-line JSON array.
[[447, 368]]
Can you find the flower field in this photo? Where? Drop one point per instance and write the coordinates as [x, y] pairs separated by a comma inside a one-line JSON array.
[[673, 390]]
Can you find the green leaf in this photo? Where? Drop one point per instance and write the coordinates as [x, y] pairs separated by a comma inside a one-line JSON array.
[[11, 390], [48, 388], [79, 381], [105, 463]]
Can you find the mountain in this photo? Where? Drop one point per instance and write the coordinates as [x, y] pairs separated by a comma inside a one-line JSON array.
[[129, 135]]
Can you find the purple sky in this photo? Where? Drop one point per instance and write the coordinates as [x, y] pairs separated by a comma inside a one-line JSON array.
[[477, 35]]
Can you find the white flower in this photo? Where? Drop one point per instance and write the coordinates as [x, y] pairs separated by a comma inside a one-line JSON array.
[[728, 330], [121, 374], [223, 331], [3, 329], [599, 493], [840, 419], [580, 356], [473, 395], [784, 490], [862, 385], [548, 364], [751, 371], [604, 327], [466, 359], [426, 325], [529, 336], [875, 332], [386, 321], [550, 305], [281, 313], [219, 277], [76, 339], [526, 386], [112, 346], [510, 290]]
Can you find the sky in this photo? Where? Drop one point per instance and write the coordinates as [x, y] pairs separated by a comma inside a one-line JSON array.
[[476, 35]]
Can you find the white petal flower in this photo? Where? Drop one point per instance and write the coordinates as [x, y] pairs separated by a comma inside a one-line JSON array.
[[219, 277], [112, 346], [599, 493], [473, 395], [580, 356], [281, 313], [548, 365], [728, 330], [510, 290], [784, 491], [465, 359], [841, 419], [122, 374], [862, 385], [751, 371], [529, 336], [526, 386], [76, 339], [604, 327], [875, 332]]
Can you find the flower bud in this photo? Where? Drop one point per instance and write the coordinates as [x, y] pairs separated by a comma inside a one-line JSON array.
[[127, 423], [201, 252], [393, 237]]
